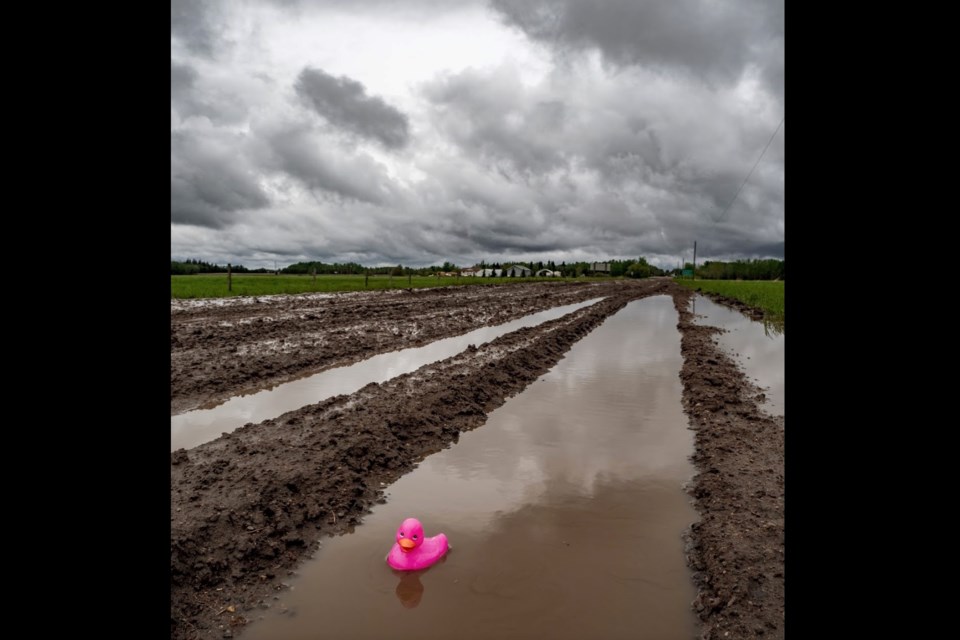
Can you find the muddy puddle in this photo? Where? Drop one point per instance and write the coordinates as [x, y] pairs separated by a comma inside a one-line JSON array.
[[564, 511], [758, 348], [196, 427]]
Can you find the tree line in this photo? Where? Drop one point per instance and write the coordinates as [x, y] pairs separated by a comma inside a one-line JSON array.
[[766, 269], [638, 268], [191, 266], [741, 270]]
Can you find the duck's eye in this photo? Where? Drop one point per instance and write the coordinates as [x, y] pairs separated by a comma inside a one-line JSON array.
[[401, 534], [414, 536]]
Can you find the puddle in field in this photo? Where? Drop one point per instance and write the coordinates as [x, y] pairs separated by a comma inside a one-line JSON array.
[[564, 511], [759, 348], [196, 427]]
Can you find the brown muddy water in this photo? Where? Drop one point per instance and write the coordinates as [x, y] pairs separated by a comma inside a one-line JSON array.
[[564, 511], [757, 348], [193, 428]]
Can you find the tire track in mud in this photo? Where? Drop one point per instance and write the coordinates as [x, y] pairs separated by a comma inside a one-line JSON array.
[[249, 506], [225, 347], [736, 550]]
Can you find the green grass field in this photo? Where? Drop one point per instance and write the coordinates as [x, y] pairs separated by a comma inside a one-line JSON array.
[[215, 285], [764, 294]]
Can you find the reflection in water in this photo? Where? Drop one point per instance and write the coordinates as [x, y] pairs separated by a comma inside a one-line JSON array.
[[773, 326], [409, 590], [565, 509], [757, 347]]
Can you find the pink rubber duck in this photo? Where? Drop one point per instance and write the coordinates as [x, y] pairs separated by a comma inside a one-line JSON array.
[[412, 551]]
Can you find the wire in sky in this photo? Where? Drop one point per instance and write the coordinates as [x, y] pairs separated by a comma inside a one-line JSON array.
[[751, 170]]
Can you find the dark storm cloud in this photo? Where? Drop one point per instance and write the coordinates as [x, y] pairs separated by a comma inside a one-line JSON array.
[[729, 243], [209, 181], [774, 250], [344, 103], [714, 40]]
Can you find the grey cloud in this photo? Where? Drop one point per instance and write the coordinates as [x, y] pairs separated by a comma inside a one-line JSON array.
[[209, 182], [491, 116], [344, 103], [456, 230], [709, 39], [628, 157], [618, 174], [296, 151], [579, 166], [182, 78], [224, 101], [193, 22], [774, 250], [728, 243], [525, 132], [183, 97]]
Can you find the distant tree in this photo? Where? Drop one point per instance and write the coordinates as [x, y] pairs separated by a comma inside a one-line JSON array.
[[639, 269]]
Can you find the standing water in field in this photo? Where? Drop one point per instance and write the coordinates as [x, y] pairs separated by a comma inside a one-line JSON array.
[[564, 514], [758, 349], [196, 427]]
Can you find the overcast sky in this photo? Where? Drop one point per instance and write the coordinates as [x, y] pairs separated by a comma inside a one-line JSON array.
[[415, 132]]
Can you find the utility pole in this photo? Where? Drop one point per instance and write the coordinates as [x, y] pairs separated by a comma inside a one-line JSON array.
[[694, 259]]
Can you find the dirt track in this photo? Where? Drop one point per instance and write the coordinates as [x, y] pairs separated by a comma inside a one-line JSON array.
[[247, 507]]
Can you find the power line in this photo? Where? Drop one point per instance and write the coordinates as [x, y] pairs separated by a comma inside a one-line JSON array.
[[751, 170]]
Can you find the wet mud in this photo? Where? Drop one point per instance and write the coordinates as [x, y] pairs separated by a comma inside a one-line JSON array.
[[736, 550], [247, 507], [225, 347]]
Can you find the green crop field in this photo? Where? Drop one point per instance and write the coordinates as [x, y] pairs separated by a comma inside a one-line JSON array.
[[214, 285], [763, 294]]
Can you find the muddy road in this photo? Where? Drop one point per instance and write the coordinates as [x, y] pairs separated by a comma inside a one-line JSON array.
[[247, 507]]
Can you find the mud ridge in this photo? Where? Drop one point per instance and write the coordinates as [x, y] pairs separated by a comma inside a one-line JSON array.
[[736, 550]]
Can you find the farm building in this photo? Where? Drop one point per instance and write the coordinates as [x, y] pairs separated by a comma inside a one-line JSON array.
[[518, 271], [600, 267], [482, 273], [548, 273]]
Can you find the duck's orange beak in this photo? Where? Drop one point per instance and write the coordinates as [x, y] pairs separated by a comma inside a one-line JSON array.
[[406, 544]]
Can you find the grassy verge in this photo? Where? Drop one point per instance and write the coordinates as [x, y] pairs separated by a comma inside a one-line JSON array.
[[214, 285], [763, 294]]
